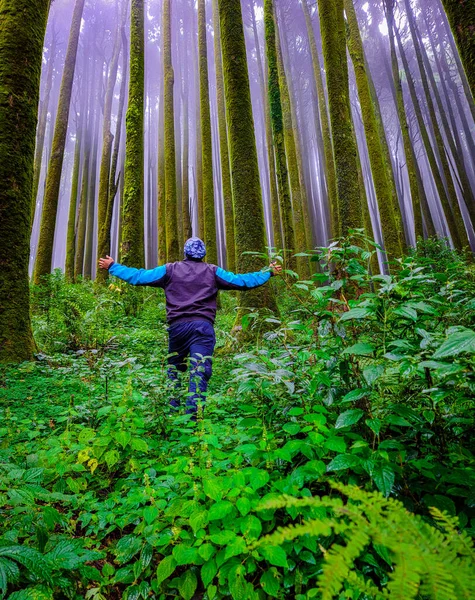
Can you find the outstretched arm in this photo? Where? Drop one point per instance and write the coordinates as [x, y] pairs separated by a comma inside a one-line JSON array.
[[226, 280], [154, 277]]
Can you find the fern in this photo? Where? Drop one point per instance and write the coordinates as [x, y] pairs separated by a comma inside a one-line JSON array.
[[436, 562]]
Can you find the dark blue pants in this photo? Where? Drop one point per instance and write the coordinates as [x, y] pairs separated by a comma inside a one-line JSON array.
[[195, 339]]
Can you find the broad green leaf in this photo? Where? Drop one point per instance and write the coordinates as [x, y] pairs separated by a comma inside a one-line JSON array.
[[251, 527], [295, 411], [291, 428], [198, 520], [30, 558], [270, 582], [150, 513], [208, 572], [354, 395], [374, 425], [237, 582], [258, 478], [122, 437], [126, 548], [243, 505], [165, 568], [220, 510], [384, 479], [357, 313], [457, 343], [87, 434], [222, 538], [343, 461], [139, 444], [359, 349], [275, 555], [349, 417], [372, 373], [185, 555], [337, 444], [212, 590], [407, 312], [213, 488], [206, 551], [111, 457], [187, 584], [237, 547]]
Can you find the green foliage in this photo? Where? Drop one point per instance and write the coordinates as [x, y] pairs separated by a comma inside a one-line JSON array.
[[364, 381]]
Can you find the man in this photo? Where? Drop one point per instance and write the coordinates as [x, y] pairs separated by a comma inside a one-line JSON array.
[[191, 288]]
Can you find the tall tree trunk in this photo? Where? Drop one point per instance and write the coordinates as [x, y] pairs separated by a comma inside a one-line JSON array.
[[103, 205], [461, 16], [53, 180], [82, 215], [170, 161], [71, 233], [185, 217], [199, 159], [223, 145], [21, 46], [249, 217], [42, 121], [417, 192], [209, 227], [328, 157], [161, 214], [132, 241], [298, 194], [380, 170], [332, 26], [449, 201], [275, 106], [273, 193]]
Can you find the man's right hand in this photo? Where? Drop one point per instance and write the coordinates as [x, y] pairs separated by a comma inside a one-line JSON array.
[[276, 268], [105, 263]]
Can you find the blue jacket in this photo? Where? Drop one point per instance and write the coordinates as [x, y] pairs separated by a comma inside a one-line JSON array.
[[191, 286]]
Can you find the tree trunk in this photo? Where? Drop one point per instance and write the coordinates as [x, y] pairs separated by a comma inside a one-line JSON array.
[[21, 48], [53, 180], [328, 157], [332, 26], [103, 207], [223, 145], [390, 219], [170, 161], [275, 107], [249, 218], [209, 226], [132, 241], [71, 233], [461, 16], [82, 215]]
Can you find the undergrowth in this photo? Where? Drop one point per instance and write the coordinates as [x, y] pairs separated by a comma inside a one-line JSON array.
[[334, 458]]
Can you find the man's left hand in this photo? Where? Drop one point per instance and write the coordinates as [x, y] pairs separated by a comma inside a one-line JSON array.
[[105, 263], [276, 268]]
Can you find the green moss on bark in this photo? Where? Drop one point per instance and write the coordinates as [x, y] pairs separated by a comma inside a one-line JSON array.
[[82, 215], [209, 226], [275, 106], [22, 30], [71, 233], [332, 26], [171, 225], [390, 221], [132, 240], [248, 210], [53, 179], [223, 145]]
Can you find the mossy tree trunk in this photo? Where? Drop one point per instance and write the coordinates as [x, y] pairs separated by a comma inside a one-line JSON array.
[[42, 122], [298, 193], [448, 199], [417, 191], [380, 170], [223, 145], [332, 26], [103, 205], [71, 232], [328, 157], [169, 126], [82, 213], [132, 241], [273, 192], [53, 180], [248, 210], [185, 216], [22, 31], [209, 227], [275, 106], [461, 16], [161, 214]]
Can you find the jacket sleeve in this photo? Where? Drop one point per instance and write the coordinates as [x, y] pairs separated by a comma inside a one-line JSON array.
[[154, 277], [225, 280]]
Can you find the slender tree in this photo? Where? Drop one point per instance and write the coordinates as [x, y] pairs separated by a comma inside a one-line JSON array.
[[186, 216], [275, 106], [332, 26], [43, 119], [53, 180], [461, 16], [209, 225], [324, 125], [82, 213], [169, 121], [223, 145], [22, 31], [248, 211], [132, 240], [103, 205], [380, 170]]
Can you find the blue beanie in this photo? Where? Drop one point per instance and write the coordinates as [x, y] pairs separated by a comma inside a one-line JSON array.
[[195, 248]]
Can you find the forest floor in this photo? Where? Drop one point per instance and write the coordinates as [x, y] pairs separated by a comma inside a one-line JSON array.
[[362, 381]]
